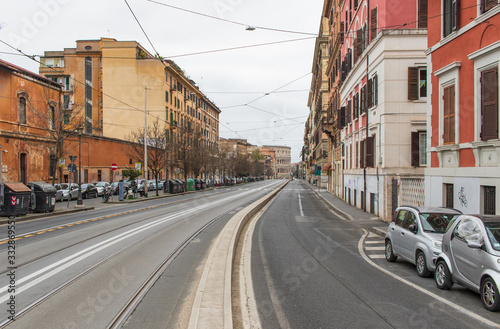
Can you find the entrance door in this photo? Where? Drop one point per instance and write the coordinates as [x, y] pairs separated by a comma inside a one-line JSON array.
[[394, 194]]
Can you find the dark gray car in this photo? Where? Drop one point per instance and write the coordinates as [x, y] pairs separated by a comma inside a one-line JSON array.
[[471, 257]]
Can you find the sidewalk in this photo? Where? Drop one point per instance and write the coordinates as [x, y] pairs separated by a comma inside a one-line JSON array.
[[348, 212]]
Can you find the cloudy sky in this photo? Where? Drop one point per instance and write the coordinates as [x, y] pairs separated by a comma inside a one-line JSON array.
[[261, 90]]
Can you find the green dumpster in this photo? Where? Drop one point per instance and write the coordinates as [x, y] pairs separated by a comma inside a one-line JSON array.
[[190, 184]]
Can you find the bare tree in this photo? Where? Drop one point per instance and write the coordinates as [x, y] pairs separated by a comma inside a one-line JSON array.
[[156, 148], [58, 119]]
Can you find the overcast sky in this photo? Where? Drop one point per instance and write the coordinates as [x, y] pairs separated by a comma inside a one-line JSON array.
[[237, 81]]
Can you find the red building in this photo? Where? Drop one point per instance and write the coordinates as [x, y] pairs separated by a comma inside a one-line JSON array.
[[463, 140]]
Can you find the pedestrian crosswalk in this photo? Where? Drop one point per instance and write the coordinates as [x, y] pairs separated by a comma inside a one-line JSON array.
[[374, 246]]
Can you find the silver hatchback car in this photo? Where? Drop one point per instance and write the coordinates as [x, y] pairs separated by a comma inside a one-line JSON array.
[[471, 257], [415, 235]]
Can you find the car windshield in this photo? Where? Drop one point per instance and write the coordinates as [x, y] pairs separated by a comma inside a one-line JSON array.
[[493, 230], [435, 222]]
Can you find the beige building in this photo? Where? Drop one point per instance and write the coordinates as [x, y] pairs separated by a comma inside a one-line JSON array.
[[283, 160], [115, 82]]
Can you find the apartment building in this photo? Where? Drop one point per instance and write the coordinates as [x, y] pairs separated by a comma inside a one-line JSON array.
[[462, 123]]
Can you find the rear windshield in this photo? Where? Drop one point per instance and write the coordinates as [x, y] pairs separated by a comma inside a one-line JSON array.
[[435, 222]]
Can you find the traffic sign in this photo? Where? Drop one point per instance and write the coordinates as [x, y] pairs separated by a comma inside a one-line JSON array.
[[114, 166], [72, 158], [72, 167]]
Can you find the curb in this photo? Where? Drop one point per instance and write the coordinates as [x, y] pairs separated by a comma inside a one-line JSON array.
[[212, 304]]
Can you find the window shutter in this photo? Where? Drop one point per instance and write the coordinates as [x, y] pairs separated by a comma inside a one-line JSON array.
[[449, 115], [422, 14], [349, 108], [413, 83], [375, 90], [370, 152], [342, 33], [370, 93], [489, 104], [373, 24], [455, 11], [359, 43], [414, 149], [362, 154]]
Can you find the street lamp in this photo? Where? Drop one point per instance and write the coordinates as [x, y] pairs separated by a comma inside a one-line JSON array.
[[79, 202], [145, 145]]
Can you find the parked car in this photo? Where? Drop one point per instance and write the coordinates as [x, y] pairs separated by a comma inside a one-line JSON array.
[[59, 190], [101, 186], [470, 257], [415, 235], [89, 191], [115, 187], [70, 192]]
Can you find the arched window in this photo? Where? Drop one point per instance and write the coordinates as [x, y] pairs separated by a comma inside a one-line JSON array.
[[21, 105]]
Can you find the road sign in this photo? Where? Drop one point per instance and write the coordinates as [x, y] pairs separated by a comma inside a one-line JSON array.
[[138, 165], [62, 162], [114, 166], [72, 158], [72, 167]]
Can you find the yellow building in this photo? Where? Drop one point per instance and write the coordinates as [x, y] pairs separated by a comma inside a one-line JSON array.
[[115, 81]]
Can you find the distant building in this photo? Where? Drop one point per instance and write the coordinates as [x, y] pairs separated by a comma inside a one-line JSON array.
[[283, 161], [463, 112]]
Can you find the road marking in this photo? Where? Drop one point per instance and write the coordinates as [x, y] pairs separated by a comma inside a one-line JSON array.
[[300, 207], [374, 242], [422, 290], [375, 248], [378, 256]]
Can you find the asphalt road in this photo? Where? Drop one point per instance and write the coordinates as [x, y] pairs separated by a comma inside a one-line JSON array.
[[311, 269], [79, 270]]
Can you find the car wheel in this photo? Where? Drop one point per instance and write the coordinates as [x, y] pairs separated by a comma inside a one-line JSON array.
[[389, 254], [489, 295], [443, 276], [421, 265]]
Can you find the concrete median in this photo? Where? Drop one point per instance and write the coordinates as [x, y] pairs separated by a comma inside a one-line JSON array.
[[212, 303]]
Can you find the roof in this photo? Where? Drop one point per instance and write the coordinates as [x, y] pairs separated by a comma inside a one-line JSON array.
[[16, 69], [435, 210]]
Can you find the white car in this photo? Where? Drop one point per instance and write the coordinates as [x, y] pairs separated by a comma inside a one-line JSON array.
[[101, 186]]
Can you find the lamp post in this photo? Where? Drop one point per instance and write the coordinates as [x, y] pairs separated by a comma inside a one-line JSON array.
[[79, 202]]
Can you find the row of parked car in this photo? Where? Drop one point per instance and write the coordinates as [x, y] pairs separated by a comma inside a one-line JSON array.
[[66, 191], [458, 248]]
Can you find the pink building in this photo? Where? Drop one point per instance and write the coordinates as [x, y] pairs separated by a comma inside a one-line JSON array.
[[463, 147], [381, 109]]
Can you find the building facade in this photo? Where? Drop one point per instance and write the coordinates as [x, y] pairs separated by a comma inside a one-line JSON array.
[[463, 139], [118, 87], [283, 161], [376, 102]]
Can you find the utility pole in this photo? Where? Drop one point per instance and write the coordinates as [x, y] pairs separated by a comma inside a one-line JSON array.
[[79, 202], [145, 145]]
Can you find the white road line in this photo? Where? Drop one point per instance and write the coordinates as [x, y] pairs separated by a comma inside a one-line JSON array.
[[422, 290], [374, 242], [378, 256], [375, 248], [300, 207], [62, 264]]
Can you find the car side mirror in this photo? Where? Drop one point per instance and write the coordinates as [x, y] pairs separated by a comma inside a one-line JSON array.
[[474, 245], [413, 228]]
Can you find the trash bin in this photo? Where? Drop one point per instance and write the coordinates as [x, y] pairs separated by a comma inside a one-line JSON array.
[[44, 199], [197, 184], [181, 185], [190, 184], [14, 199], [202, 184]]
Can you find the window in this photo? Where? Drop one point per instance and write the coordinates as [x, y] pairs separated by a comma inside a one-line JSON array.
[[450, 16], [373, 23], [422, 14], [21, 103], [410, 220], [166, 96], [489, 200], [417, 83], [489, 104], [66, 118], [88, 95], [418, 148], [449, 115], [401, 217], [488, 4], [52, 117], [448, 197]]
